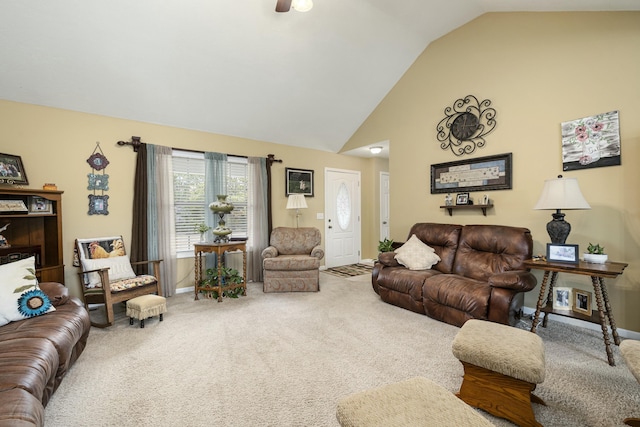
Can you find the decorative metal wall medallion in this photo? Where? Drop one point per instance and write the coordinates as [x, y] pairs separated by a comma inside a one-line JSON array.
[[465, 125]]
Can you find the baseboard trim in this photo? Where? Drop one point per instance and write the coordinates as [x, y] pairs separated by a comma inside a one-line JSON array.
[[623, 333]]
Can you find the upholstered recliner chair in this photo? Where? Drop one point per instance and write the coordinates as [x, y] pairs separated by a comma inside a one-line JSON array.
[[292, 261]]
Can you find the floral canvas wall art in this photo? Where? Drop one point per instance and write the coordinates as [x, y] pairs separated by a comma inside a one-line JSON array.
[[591, 142]]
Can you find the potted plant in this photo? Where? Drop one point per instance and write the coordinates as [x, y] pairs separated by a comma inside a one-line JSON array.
[[229, 276], [385, 245], [202, 228], [595, 254]]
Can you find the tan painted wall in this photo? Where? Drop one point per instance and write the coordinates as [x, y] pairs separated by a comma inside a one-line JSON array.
[[538, 69], [54, 145]]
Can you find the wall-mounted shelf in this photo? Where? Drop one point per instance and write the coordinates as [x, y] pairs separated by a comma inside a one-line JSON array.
[[467, 207]]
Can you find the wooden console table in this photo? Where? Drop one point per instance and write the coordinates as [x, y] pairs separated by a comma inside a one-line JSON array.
[[597, 272], [219, 249]]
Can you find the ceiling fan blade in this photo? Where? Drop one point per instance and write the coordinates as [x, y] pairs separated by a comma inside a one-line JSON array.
[[283, 5]]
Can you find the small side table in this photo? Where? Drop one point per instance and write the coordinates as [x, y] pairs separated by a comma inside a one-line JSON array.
[[219, 249], [597, 272]]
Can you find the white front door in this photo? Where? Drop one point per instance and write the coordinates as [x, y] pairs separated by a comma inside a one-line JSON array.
[[384, 205], [342, 217]]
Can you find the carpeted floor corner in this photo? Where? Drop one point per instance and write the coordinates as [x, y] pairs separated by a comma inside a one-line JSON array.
[[286, 359]]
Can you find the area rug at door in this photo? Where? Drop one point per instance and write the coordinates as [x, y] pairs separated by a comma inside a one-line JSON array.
[[349, 270]]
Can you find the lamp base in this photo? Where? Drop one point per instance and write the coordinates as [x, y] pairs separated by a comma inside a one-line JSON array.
[[558, 228]]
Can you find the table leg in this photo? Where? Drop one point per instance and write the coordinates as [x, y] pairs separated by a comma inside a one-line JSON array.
[[554, 277], [603, 322], [220, 255], [197, 270], [607, 306], [536, 316], [244, 274]]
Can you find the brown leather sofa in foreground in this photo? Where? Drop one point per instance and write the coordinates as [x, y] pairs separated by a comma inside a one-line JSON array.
[[479, 275], [35, 355]]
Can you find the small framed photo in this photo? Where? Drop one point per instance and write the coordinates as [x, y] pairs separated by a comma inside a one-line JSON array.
[[562, 298], [12, 171], [299, 181], [40, 205], [582, 301], [462, 199], [98, 205], [562, 253]]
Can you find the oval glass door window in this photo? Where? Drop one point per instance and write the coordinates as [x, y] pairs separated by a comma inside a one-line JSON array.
[[343, 207]]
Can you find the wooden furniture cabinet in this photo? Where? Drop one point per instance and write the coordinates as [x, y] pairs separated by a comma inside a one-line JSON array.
[[37, 231], [219, 249], [597, 272]]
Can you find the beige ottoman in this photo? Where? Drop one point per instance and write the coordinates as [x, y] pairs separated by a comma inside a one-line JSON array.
[[146, 306], [630, 350], [502, 366], [412, 403]]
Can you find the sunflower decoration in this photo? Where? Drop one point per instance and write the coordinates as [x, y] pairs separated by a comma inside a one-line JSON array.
[[33, 301]]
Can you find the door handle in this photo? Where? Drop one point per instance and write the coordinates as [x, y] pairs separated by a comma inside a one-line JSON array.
[[384, 222]]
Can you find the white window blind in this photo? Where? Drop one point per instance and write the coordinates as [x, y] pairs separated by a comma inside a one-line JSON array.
[[190, 206]]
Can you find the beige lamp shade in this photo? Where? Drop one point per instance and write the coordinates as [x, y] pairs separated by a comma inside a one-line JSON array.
[[557, 194], [561, 193], [296, 201]]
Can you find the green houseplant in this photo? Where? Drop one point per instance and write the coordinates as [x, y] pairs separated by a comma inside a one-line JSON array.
[[595, 254], [385, 245], [202, 228], [229, 276]]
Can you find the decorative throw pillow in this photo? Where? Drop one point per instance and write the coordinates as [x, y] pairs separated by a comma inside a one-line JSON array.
[[416, 255], [119, 269], [20, 296]]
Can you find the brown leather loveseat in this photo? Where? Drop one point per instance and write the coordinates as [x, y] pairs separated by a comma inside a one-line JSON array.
[[36, 353], [479, 276]]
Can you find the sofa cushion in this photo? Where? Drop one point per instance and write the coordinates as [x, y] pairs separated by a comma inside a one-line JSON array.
[[443, 238], [456, 299], [402, 280], [292, 263], [484, 250], [19, 408], [20, 296], [416, 255], [29, 364]]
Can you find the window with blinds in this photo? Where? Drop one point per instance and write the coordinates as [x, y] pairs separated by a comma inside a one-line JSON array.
[[189, 199]]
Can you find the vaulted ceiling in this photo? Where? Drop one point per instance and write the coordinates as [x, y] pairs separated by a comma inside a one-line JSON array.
[[233, 67]]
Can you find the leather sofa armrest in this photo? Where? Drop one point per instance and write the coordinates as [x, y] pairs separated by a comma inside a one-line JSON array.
[[519, 280], [269, 252], [57, 293], [388, 259], [317, 252]]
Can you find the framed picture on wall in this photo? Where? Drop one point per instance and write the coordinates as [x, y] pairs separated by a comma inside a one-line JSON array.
[[299, 181]]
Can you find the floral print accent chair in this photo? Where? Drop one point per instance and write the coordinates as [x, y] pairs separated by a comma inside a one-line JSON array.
[[292, 261]]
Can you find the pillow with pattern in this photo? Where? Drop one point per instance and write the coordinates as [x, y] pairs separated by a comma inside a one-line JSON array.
[[416, 255], [20, 296]]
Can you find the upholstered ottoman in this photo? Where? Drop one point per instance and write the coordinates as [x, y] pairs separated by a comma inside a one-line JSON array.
[[412, 403], [146, 306], [502, 366], [630, 350]]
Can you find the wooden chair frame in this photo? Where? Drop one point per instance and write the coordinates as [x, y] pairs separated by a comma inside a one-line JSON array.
[[104, 295]]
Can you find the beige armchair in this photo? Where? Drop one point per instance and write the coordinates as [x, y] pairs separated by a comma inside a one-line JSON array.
[[292, 261]]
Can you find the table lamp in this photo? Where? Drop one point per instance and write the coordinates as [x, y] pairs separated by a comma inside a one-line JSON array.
[[297, 202], [557, 194]]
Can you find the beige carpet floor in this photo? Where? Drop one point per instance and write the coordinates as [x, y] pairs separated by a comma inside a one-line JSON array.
[[286, 359]]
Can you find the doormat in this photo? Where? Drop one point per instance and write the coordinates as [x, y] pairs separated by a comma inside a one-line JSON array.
[[349, 270]]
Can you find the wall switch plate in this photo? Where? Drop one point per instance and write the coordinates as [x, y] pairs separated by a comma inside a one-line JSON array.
[[320, 215]]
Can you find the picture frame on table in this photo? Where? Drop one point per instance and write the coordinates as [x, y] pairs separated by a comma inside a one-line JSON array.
[[298, 181], [462, 199], [12, 170], [40, 205], [562, 298], [563, 253], [582, 301]]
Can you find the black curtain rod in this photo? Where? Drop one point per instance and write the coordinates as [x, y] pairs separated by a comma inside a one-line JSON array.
[[135, 143]]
